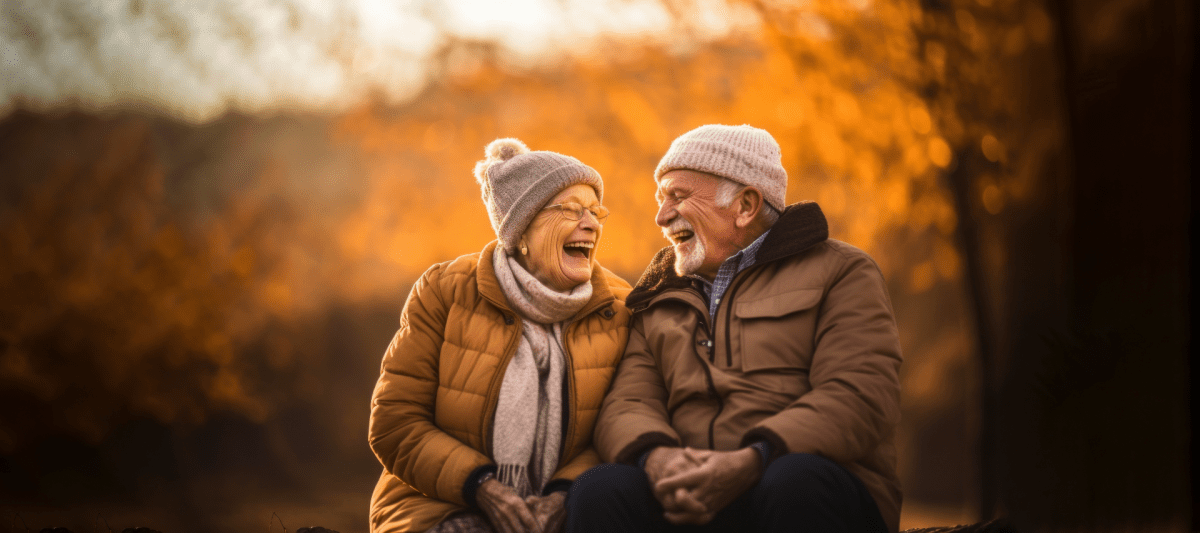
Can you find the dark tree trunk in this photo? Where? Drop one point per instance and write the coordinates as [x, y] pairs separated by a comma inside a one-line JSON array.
[[1090, 382]]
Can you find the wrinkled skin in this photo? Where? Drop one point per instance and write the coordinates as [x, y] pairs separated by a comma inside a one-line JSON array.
[[550, 231], [507, 512], [549, 511], [694, 485], [687, 200]]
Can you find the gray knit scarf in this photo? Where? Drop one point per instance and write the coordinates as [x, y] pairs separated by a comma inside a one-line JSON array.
[[528, 425]]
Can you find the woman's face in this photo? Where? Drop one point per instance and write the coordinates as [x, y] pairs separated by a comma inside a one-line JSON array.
[[561, 250]]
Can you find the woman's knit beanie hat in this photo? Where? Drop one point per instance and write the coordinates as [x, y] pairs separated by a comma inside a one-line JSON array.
[[744, 154], [516, 184]]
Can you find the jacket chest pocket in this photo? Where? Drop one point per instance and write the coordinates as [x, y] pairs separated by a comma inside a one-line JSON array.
[[776, 332]]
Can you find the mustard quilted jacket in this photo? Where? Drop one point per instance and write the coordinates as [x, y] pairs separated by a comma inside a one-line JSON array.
[[433, 406]]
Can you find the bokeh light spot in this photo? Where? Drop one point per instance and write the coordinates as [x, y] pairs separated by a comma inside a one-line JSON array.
[[918, 117], [992, 149], [947, 220], [993, 199], [916, 159], [939, 152], [923, 277], [935, 54], [1015, 41]]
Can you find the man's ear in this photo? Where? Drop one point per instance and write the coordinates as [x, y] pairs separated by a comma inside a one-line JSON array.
[[748, 203]]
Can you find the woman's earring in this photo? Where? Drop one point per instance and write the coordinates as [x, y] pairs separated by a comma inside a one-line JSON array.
[[524, 250]]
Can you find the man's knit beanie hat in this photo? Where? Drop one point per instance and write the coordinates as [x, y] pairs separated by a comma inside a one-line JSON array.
[[516, 184], [744, 154]]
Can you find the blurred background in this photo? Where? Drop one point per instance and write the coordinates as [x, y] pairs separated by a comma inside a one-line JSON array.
[[211, 213]]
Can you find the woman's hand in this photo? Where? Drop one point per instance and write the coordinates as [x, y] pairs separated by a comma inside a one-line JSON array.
[[549, 511], [507, 512]]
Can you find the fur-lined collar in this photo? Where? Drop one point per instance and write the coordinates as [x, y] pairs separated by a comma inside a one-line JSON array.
[[800, 227]]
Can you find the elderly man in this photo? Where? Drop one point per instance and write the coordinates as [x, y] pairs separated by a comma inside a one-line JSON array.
[[760, 387]]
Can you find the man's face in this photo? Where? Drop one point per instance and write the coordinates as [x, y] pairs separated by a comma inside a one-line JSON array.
[[704, 235]]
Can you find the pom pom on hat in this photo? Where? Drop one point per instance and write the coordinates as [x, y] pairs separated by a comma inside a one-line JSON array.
[[505, 149], [497, 151]]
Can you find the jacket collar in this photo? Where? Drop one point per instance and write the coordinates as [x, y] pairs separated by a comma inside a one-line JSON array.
[[489, 284], [486, 280], [800, 227]]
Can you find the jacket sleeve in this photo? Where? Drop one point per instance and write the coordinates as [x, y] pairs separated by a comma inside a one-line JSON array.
[[854, 402], [402, 432], [633, 416]]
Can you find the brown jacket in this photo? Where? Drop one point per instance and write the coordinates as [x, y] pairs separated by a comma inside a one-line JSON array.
[[803, 352], [432, 411]]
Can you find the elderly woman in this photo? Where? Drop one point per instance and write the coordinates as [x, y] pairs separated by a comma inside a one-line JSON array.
[[483, 412]]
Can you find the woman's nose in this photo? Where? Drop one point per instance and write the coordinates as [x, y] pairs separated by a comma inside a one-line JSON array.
[[589, 221]]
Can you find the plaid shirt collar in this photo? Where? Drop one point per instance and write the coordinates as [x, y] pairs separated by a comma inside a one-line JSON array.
[[745, 258]]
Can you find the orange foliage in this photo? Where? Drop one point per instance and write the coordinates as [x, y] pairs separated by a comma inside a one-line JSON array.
[[831, 83], [151, 315], [855, 135]]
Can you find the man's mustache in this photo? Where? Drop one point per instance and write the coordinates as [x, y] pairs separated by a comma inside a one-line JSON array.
[[678, 225]]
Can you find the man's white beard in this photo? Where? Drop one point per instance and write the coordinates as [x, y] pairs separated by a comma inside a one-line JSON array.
[[693, 250], [693, 255]]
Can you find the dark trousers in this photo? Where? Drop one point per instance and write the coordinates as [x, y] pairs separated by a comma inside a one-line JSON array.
[[799, 492]]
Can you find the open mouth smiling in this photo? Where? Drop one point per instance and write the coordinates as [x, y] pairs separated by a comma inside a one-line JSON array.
[[579, 249], [682, 236]]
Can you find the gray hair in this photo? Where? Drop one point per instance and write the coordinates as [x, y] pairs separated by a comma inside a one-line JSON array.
[[728, 188]]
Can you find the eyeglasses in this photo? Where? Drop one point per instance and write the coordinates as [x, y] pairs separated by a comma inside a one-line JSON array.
[[574, 211]]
